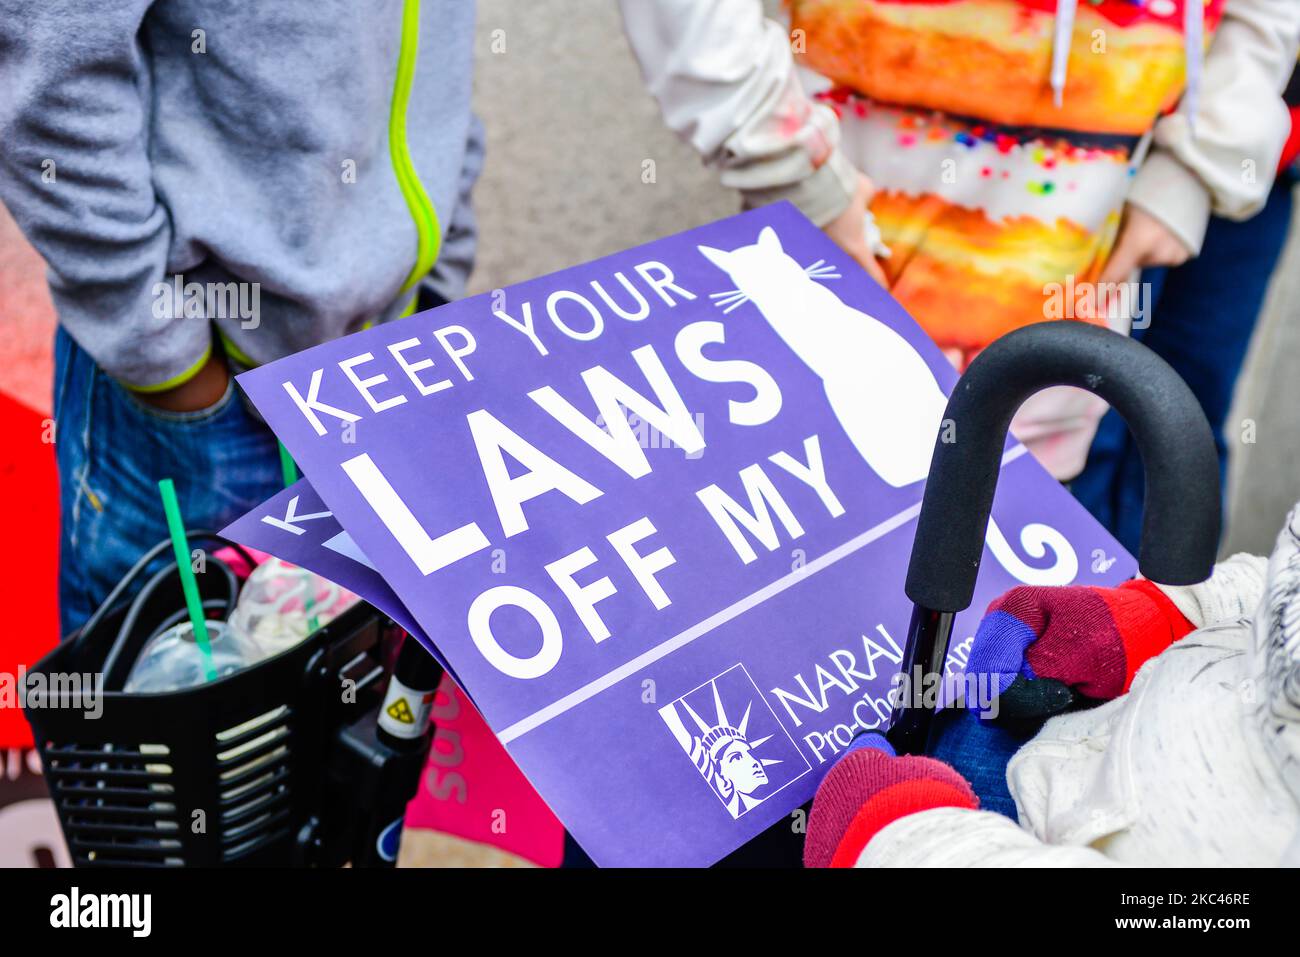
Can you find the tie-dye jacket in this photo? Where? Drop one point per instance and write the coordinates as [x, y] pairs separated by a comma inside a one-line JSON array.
[[1004, 137], [1001, 134]]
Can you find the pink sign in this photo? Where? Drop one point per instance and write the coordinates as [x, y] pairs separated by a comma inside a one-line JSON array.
[[473, 790]]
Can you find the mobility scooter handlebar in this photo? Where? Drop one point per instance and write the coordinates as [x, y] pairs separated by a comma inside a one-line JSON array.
[[1180, 522]]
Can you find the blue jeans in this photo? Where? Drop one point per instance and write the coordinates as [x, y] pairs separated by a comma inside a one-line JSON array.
[[112, 450], [1205, 312]]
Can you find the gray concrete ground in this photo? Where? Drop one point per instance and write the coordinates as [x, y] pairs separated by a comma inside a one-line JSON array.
[[1265, 476], [569, 127]]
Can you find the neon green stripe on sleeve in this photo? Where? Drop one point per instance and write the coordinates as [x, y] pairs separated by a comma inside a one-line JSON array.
[[176, 380], [427, 227]]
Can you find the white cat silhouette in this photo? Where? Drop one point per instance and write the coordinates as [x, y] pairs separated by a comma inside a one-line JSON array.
[[881, 390]]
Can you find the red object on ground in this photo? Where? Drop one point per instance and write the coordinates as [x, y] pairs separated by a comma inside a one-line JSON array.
[[29, 490], [29, 516]]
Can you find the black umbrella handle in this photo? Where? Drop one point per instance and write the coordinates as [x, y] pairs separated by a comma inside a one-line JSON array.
[[1181, 515]]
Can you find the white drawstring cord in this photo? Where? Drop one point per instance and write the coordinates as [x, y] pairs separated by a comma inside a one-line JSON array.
[[1194, 52], [1061, 40], [875, 242]]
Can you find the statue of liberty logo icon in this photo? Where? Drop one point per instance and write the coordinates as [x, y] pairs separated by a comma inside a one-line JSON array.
[[881, 390], [744, 762]]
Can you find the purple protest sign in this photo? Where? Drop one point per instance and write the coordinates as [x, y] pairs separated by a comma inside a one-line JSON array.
[[295, 525], [656, 512]]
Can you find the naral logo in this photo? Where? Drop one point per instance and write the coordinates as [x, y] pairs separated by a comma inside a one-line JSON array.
[[734, 740], [76, 909]]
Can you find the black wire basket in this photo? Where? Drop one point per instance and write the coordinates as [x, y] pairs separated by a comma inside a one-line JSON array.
[[243, 770]]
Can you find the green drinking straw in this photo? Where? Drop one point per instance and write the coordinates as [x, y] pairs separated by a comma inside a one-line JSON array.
[[288, 470], [188, 582]]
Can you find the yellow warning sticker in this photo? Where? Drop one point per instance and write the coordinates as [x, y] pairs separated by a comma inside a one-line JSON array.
[[405, 711], [399, 710]]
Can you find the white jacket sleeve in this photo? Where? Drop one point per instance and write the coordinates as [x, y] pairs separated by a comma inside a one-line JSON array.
[[1227, 162], [957, 837], [724, 78], [1231, 593]]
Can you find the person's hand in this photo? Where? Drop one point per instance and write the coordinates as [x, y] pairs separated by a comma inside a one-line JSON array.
[[202, 391], [849, 231], [869, 788], [1040, 645], [1143, 241]]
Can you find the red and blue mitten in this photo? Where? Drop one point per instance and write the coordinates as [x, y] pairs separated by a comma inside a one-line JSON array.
[[1093, 640], [869, 788]]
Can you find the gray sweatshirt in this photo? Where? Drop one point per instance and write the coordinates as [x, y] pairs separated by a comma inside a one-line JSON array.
[[186, 166]]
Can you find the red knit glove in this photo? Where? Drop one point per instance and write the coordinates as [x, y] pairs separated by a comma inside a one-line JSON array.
[[868, 789], [1093, 640]]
